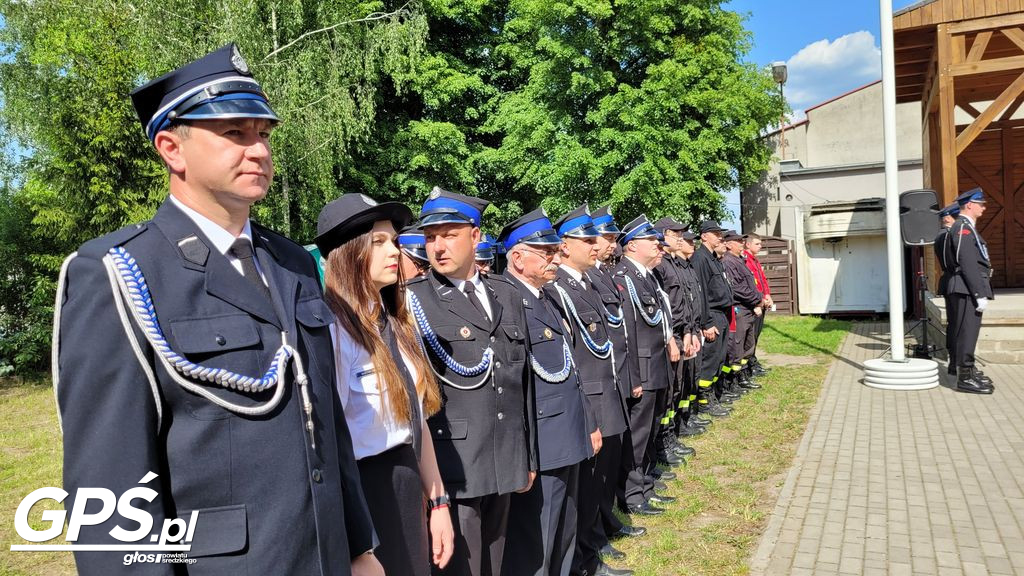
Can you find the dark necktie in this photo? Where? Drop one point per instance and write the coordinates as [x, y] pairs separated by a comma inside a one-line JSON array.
[[410, 386], [470, 289], [241, 248]]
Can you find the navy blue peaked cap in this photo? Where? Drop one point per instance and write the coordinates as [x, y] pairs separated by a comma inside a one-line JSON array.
[[604, 221], [639, 227], [530, 228], [444, 207], [216, 86], [972, 195], [577, 224]]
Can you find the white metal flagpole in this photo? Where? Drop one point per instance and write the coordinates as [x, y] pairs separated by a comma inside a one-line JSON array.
[[894, 242], [897, 373]]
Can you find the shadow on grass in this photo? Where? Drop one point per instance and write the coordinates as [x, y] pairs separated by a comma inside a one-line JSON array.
[[813, 346]]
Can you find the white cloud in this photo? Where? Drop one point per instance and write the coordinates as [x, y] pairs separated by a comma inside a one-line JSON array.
[[825, 69]]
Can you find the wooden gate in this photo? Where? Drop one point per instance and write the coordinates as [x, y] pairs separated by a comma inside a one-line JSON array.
[[779, 262], [993, 162]]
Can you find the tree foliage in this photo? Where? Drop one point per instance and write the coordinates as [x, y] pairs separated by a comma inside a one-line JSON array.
[[646, 104]]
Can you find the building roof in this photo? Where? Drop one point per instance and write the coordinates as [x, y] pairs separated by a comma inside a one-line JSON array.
[[914, 30]]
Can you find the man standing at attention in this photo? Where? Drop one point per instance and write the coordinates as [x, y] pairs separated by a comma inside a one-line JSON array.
[[473, 330], [969, 290], [947, 216], [194, 358]]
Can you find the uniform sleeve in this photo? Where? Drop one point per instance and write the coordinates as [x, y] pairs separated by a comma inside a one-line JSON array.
[[530, 395], [967, 258], [939, 247], [741, 281], [703, 271], [629, 321], [109, 412]]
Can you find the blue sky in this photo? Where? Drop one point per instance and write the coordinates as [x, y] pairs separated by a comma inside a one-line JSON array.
[[830, 47]]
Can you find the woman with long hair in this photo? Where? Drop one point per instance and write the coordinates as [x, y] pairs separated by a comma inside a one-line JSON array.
[[386, 386]]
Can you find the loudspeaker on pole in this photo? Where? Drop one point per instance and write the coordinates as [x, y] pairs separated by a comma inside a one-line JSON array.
[[919, 217]]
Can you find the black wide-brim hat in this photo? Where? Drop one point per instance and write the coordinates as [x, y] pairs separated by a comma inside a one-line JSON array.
[[351, 215]]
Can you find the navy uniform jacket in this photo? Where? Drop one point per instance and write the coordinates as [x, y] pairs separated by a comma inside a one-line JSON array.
[[649, 365], [941, 253], [711, 273], [564, 418], [967, 258], [671, 280], [693, 290], [268, 502], [602, 280], [483, 437], [597, 374], [741, 279]]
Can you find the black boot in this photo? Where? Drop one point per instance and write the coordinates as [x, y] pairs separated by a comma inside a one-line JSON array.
[[966, 382], [745, 382], [715, 408], [980, 376], [756, 368]]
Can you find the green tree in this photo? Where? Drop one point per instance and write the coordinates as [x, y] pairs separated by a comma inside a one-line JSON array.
[[66, 69], [646, 104]]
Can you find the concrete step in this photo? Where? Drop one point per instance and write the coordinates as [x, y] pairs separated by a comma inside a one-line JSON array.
[[1002, 328]]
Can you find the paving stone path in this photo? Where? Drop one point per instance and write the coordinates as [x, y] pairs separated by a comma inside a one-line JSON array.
[[888, 482]]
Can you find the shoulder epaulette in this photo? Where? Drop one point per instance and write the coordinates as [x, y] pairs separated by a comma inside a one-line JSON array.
[[98, 247], [416, 280], [500, 278]]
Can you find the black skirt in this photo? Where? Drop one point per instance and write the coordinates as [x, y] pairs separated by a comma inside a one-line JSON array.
[[394, 493]]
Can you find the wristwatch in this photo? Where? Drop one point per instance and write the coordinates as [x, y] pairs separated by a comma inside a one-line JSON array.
[[442, 500]]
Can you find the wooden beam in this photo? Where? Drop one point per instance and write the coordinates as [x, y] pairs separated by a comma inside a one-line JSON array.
[[988, 66], [1012, 108], [1015, 35], [977, 48], [980, 179], [946, 119], [966, 107], [990, 23], [1009, 254], [981, 122], [960, 48]]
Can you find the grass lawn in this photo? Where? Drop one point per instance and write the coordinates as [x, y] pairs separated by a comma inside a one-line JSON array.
[[725, 493], [30, 458], [728, 490]]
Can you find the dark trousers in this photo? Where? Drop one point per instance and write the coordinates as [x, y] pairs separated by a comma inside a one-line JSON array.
[[597, 490], [542, 525], [966, 325], [614, 449], [642, 428], [741, 342], [712, 355], [394, 494], [950, 334], [480, 525], [687, 377]]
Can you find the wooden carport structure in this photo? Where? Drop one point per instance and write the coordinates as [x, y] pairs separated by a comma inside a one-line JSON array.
[[964, 61]]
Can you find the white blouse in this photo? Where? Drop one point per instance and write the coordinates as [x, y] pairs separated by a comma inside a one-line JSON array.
[[362, 397]]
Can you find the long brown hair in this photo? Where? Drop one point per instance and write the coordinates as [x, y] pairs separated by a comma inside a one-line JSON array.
[[353, 298]]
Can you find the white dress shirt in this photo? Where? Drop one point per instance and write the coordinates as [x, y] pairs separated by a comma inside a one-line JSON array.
[[221, 238], [362, 398], [643, 269], [478, 287], [576, 275]]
